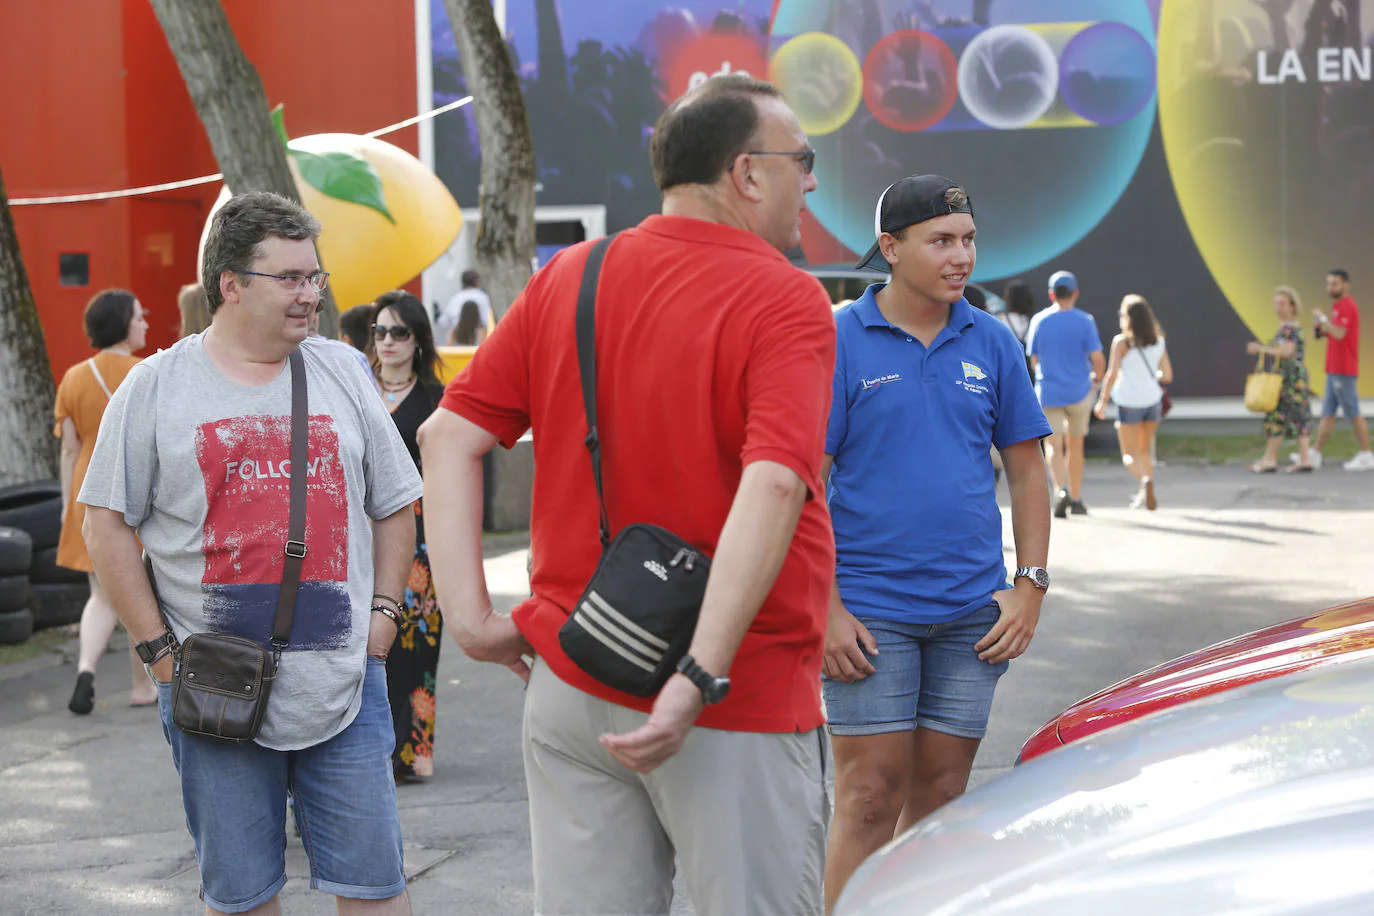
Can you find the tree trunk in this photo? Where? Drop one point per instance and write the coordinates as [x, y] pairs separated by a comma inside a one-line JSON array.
[[505, 231], [232, 105], [28, 449]]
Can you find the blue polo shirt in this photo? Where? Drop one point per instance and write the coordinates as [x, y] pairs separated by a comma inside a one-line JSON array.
[[1062, 342], [918, 535]]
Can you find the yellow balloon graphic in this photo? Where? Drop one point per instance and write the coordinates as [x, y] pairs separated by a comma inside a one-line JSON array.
[[1253, 158], [821, 80], [365, 253]]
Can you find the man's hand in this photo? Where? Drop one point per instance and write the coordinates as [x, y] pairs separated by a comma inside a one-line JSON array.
[[381, 633], [1012, 633], [1254, 348], [647, 747], [495, 639], [162, 671], [846, 640]]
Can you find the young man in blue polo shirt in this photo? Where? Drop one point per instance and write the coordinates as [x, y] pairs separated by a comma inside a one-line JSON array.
[[1064, 347], [922, 622]]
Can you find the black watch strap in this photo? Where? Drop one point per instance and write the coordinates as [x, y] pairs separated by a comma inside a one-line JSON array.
[[713, 689], [148, 652]]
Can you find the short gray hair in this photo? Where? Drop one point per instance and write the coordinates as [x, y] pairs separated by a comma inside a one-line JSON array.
[[239, 228]]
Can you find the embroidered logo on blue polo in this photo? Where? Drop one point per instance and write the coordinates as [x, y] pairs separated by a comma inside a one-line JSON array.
[[973, 372], [879, 381]]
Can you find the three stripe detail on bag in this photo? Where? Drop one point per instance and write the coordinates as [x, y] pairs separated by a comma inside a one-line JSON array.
[[619, 633]]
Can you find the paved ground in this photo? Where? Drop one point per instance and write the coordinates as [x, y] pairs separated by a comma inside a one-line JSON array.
[[90, 820]]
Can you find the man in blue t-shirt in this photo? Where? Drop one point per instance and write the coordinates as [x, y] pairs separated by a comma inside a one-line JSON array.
[[1063, 345], [922, 622]]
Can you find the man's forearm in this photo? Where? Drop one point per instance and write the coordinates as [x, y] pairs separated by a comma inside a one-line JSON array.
[[1030, 503], [393, 552], [752, 547], [118, 563], [453, 519]]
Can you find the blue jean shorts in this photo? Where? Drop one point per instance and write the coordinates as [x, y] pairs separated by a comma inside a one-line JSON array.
[[928, 676], [1341, 394], [1151, 414], [343, 794]]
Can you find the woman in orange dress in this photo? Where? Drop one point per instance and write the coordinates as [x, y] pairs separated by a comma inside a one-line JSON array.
[[117, 327]]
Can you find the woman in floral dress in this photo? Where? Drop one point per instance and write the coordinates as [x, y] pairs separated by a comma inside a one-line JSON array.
[[405, 361], [1292, 418]]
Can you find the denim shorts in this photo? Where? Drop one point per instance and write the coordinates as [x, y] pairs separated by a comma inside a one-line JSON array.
[[928, 676], [1341, 393], [344, 798], [1151, 414]]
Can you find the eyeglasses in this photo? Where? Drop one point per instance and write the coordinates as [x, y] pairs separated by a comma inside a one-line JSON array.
[[398, 332], [807, 157], [294, 283]]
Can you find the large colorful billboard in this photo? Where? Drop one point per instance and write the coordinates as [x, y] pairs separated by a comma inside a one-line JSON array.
[[1199, 152]]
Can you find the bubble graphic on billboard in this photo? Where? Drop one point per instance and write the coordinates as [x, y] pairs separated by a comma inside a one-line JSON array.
[[1107, 73], [910, 80], [1043, 112], [1008, 77], [821, 79]]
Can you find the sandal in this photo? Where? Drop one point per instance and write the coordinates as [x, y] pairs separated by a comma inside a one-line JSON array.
[[1298, 469], [1259, 468]]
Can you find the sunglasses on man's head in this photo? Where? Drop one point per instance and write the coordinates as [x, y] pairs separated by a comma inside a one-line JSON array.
[[398, 332]]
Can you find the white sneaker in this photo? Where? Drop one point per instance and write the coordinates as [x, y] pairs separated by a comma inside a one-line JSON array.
[[1363, 461], [1314, 459]]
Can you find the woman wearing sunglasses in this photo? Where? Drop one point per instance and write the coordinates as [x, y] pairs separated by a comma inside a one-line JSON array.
[[405, 363]]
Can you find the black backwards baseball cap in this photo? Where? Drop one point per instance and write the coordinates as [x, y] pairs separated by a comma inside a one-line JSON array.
[[908, 202]]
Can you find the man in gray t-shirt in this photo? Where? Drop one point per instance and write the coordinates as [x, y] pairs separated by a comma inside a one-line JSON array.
[[193, 458]]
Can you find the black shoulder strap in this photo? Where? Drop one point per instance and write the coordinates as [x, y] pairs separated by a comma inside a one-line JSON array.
[[295, 535], [586, 364]]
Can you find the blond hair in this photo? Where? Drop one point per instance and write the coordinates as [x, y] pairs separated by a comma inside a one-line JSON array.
[[194, 308], [1293, 297]]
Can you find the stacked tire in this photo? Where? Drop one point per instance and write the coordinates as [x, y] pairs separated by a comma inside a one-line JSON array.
[[16, 553], [53, 595]]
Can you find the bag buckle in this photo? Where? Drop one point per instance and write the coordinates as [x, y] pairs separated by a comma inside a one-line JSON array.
[[295, 549]]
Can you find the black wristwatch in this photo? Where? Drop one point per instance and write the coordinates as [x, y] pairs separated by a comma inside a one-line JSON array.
[[713, 689], [152, 650], [1039, 576]]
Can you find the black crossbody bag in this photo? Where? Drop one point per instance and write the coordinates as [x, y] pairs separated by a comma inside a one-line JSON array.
[[221, 683], [636, 618]]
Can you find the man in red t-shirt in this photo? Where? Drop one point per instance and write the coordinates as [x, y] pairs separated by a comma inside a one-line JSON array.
[[714, 359], [1342, 333]]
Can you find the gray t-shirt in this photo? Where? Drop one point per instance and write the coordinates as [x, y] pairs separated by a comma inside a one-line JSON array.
[[199, 465]]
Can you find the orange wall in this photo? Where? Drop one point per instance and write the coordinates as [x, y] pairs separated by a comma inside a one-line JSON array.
[[110, 111]]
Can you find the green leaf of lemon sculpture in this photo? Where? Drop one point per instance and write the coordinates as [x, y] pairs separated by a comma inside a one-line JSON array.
[[340, 175]]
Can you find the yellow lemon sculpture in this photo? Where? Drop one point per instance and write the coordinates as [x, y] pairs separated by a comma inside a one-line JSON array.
[[384, 216]]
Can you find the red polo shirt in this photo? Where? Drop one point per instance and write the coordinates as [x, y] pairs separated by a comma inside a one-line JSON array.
[[712, 352], [1343, 356]]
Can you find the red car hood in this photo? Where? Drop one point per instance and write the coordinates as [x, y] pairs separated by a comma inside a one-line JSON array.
[[1340, 634]]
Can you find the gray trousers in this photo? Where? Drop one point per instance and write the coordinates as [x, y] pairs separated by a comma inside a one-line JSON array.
[[745, 813]]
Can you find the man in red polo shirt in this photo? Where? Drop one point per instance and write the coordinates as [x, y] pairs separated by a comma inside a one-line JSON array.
[[714, 366], [1342, 333]]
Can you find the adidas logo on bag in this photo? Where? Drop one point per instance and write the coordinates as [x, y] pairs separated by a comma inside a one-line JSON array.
[[657, 569]]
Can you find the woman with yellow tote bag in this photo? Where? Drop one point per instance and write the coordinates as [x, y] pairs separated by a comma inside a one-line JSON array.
[[1282, 394]]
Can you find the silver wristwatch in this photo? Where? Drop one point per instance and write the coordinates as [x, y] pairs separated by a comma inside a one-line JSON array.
[[1039, 576]]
